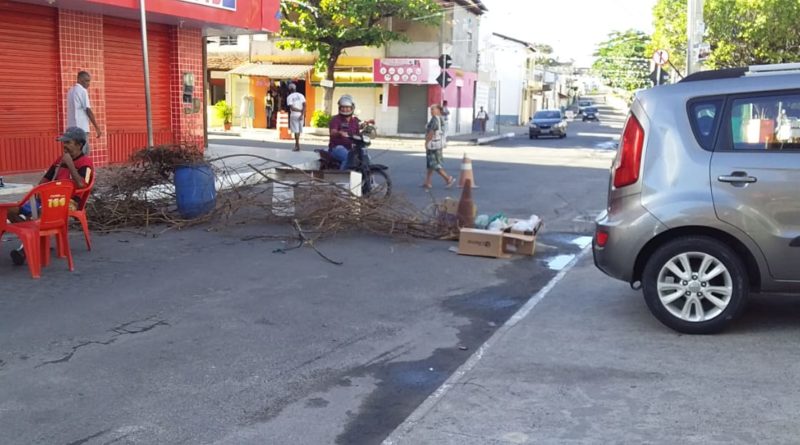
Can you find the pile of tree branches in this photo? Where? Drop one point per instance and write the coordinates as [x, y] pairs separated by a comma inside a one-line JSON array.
[[140, 197]]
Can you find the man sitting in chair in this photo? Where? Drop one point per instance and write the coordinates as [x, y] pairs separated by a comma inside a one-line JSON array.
[[72, 165]]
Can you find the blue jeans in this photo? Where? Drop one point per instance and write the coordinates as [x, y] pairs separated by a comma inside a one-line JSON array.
[[340, 153]]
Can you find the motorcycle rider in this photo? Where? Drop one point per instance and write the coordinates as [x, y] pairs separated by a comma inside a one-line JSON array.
[[342, 126]]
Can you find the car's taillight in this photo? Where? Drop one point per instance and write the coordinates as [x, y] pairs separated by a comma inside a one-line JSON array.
[[601, 238], [629, 158]]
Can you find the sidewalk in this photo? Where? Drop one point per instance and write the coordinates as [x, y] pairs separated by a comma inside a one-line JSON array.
[[320, 135]]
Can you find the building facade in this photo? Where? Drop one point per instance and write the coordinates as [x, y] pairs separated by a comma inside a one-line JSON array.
[[517, 87], [47, 43], [398, 103]]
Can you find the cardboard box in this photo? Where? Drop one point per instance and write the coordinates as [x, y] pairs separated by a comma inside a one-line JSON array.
[[479, 242], [494, 244], [519, 243]]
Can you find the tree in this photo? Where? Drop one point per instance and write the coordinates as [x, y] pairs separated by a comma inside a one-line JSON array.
[[669, 32], [328, 27], [752, 32], [622, 60], [740, 32]]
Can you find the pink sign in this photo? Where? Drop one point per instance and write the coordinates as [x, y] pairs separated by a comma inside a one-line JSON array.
[[405, 71]]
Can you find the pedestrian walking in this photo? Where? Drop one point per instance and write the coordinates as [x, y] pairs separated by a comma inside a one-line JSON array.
[[434, 144], [79, 109], [296, 103], [482, 117]]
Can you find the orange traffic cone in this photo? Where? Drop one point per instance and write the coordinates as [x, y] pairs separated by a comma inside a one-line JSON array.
[[466, 207], [466, 172]]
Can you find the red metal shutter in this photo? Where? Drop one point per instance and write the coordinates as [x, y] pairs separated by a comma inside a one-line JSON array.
[[124, 86], [29, 80]]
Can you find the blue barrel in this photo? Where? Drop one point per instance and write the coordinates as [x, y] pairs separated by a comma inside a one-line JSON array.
[[194, 190]]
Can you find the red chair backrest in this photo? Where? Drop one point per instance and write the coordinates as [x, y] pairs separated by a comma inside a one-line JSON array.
[[83, 194], [54, 198]]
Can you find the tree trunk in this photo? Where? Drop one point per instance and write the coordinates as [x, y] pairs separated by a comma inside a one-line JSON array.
[[329, 75]]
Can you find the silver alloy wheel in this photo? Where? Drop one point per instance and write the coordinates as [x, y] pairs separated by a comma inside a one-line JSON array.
[[695, 286]]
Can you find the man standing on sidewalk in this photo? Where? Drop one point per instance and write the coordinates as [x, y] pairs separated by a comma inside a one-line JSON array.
[[79, 110], [482, 117], [297, 113]]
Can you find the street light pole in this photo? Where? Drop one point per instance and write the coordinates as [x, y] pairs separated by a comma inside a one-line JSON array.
[[146, 64]]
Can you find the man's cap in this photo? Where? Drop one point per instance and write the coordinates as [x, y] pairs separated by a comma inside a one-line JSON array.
[[73, 134], [292, 86]]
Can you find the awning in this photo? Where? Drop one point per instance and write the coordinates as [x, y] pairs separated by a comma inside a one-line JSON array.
[[273, 71]]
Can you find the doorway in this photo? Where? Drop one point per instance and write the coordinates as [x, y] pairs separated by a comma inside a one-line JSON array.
[[413, 112]]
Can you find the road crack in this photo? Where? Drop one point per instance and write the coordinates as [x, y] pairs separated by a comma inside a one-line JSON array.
[[128, 328]]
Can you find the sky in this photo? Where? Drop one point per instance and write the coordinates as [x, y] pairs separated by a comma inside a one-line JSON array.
[[572, 27]]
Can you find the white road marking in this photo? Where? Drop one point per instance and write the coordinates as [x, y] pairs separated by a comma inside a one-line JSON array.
[[405, 428], [559, 262]]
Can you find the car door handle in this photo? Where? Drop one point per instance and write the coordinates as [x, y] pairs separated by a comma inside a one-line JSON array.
[[738, 178]]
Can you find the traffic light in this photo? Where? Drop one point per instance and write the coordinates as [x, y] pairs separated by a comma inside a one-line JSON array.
[[664, 77], [444, 82], [445, 61]]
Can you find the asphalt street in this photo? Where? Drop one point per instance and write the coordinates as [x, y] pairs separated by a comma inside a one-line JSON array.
[[200, 337]]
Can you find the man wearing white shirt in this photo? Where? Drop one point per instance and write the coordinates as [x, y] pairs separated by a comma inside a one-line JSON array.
[[296, 103], [79, 110]]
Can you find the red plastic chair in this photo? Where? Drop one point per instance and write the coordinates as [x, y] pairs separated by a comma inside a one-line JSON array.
[[80, 212], [35, 235]]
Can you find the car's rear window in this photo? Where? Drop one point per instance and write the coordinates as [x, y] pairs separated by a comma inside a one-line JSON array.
[[547, 115], [591, 110], [704, 116]]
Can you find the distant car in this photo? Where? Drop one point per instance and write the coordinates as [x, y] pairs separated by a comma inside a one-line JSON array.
[[591, 114], [548, 123], [583, 104]]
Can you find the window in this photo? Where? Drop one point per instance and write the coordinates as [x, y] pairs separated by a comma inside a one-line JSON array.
[[228, 40], [703, 116], [766, 123]]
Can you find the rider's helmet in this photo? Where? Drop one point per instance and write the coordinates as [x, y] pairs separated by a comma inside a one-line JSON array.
[[346, 101]]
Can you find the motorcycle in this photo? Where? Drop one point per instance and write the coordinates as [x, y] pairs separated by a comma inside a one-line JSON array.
[[375, 182]]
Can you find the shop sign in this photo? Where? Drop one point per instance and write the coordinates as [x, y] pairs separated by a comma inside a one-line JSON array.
[[405, 71], [222, 4]]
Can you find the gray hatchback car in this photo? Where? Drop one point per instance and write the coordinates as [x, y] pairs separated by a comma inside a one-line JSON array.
[[704, 197]]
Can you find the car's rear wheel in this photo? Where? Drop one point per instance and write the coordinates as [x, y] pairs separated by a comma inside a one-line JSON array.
[[695, 285], [532, 136]]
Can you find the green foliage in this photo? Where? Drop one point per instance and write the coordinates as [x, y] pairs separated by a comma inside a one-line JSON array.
[[320, 119], [669, 33], [622, 60], [328, 27], [224, 111], [752, 32], [740, 32]]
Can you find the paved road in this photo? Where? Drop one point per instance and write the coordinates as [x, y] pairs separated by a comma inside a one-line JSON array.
[[200, 337]]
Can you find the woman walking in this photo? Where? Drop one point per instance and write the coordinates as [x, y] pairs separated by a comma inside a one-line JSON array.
[[434, 143]]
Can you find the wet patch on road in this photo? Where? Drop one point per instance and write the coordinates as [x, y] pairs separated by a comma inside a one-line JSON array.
[[403, 385]]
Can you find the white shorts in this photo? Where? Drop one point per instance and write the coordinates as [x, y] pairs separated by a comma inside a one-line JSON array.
[[296, 122]]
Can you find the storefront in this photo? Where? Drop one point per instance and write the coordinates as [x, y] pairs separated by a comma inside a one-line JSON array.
[[46, 44], [410, 87], [252, 82]]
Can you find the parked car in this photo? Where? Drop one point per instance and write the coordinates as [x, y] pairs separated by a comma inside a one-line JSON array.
[[591, 114], [703, 203], [548, 123]]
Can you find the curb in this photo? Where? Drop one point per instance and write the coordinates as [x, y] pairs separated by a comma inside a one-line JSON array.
[[488, 139]]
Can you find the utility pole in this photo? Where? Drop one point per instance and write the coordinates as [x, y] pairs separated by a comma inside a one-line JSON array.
[[146, 66], [695, 28]]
